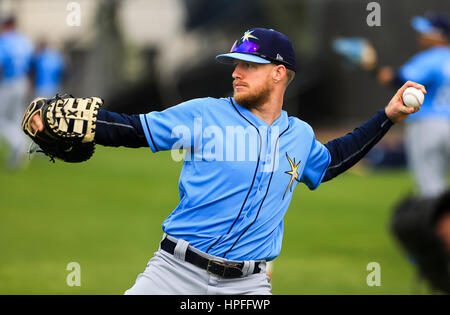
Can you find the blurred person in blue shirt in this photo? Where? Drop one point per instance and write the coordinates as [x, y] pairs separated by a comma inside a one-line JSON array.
[[16, 52], [427, 132], [48, 70]]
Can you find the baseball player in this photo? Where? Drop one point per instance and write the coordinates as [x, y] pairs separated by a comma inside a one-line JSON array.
[[427, 132], [48, 68], [244, 158], [16, 52]]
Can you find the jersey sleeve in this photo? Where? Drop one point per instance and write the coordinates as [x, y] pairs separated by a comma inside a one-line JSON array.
[[173, 128], [318, 161], [418, 69]]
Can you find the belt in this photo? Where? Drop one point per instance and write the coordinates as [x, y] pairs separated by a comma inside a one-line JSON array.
[[223, 269]]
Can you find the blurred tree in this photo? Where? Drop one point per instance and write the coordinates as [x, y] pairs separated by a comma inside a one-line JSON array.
[[220, 19], [104, 72], [221, 14]]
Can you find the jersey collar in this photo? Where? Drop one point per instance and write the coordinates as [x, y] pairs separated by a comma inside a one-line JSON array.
[[282, 122]]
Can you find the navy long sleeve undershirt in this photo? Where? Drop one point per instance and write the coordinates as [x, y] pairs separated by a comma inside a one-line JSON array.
[[126, 130], [115, 130], [346, 151]]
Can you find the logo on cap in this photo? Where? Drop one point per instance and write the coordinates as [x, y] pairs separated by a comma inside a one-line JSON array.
[[247, 35]]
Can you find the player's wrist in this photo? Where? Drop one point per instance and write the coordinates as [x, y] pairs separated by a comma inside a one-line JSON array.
[[389, 114]]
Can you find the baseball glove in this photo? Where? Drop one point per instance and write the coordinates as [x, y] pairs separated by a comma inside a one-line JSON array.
[[414, 226], [69, 126]]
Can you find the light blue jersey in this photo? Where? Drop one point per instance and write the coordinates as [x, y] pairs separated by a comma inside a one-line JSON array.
[[16, 52], [238, 175], [49, 66], [432, 69]]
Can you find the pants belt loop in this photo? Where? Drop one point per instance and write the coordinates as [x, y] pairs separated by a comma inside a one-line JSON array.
[[248, 268], [180, 249]]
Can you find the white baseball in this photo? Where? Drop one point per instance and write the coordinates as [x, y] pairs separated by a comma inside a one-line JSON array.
[[413, 97]]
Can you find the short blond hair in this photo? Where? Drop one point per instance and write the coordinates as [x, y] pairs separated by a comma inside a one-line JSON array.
[[290, 75]]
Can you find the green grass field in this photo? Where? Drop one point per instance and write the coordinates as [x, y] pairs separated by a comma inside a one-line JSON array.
[[106, 215]]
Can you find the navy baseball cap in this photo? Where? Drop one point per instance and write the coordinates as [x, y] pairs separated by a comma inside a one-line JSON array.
[[432, 22], [260, 45]]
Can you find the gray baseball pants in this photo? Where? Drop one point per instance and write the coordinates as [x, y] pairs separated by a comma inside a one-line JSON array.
[[12, 108], [168, 274], [428, 151]]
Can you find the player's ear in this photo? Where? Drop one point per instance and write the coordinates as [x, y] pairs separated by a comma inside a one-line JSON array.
[[278, 73]]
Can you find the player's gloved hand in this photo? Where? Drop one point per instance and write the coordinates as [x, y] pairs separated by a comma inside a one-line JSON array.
[[63, 127], [396, 110], [36, 123]]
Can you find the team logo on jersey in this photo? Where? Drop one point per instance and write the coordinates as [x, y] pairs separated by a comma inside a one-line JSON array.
[[293, 173]]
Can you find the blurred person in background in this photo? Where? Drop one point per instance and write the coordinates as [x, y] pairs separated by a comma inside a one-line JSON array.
[[421, 227], [421, 224], [427, 132], [48, 69], [16, 52]]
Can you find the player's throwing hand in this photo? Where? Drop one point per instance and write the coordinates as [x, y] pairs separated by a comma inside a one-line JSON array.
[[396, 110]]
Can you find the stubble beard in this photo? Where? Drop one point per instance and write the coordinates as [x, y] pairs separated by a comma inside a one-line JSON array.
[[255, 98]]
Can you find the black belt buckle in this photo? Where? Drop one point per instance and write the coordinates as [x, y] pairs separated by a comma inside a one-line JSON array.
[[224, 270]]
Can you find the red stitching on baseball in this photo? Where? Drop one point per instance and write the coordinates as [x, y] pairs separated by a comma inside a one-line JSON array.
[[418, 102]]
